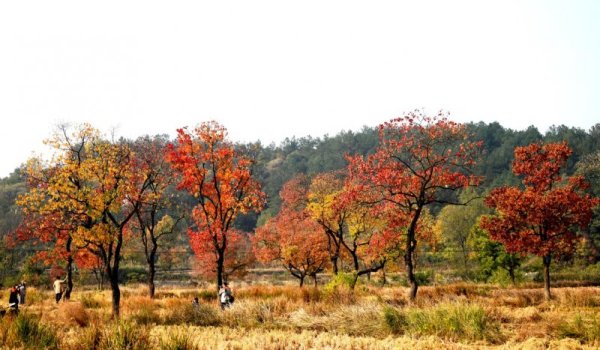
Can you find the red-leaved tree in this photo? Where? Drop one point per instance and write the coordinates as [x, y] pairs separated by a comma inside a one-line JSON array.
[[292, 237], [541, 218], [220, 179], [420, 161]]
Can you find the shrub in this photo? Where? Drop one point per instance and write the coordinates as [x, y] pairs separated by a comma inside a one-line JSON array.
[[341, 280], [180, 340], [124, 335], [582, 327], [26, 330], [203, 315], [452, 321], [89, 301], [394, 320], [73, 313], [424, 277]]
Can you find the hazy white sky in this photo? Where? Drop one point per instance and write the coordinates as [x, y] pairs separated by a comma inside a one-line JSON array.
[[271, 69]]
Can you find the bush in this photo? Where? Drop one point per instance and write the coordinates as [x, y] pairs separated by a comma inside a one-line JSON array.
[[424, 277], [203, 315], [581, 327], [73, 313], [394, 320], [27, 331], [89, 301], [452, 321], [124, 335], [178, 341], [341, 280]]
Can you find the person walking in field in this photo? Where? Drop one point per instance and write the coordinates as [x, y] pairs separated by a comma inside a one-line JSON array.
[[22, 292], [225, 296], [58, 288]]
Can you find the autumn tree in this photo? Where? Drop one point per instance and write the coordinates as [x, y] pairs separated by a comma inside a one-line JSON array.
[[89, 188], [292, 237], [153, 224], [420, 161], [351, 224], [541, 218], [53, 206], [220, 179]]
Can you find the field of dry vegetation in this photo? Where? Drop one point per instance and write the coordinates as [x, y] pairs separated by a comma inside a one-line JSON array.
[[459, 316]]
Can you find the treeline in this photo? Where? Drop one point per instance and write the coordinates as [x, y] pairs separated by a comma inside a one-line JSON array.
[[276, 165]]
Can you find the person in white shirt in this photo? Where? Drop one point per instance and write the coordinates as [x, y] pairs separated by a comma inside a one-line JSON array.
[[58, 288]]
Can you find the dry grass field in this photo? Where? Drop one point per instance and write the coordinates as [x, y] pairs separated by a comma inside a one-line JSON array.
[[459, 316]]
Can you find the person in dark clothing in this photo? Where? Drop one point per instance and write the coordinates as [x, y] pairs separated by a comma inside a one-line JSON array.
[[13, 299]]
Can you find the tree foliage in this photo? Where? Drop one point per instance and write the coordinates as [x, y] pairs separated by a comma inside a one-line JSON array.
[[540, 219]]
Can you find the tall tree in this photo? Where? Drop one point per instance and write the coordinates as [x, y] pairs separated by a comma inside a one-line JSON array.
[[540, 219], [54, 205], [221, 181], [153, 223], [420, 161]]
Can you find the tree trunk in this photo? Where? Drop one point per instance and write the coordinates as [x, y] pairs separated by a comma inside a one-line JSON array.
[[383, 278], [69, 269], [220, 263], [411, 245], [152, 271], [301, 281], [334, 264], [116, 295], [511, 273], [547, 259], [151, 286], [315, 280]]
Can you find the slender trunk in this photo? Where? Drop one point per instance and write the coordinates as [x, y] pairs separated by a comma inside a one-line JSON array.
[[69, 269], [220, 263], [151, 286], [547, 260], [301, 278], [383, 278], [315, 280], [511, 273], [356, 268], [116, 295], [152, 271], [334, 264], [411, 245]]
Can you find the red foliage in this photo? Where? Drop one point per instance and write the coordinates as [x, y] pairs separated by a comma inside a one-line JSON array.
[[292, 237], [418, 160], [541, 218], [220, 178]]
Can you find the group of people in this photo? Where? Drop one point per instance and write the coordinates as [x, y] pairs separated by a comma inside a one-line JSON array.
[[18, 292], [17, 296]]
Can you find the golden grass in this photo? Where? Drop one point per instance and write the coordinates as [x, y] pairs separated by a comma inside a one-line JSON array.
[[460, 316]]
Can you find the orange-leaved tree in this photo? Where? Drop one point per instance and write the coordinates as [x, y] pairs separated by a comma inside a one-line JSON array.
[[420, 161], [53, 206], [220, 179], [541, 218], [86, 190], [292, 237]]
